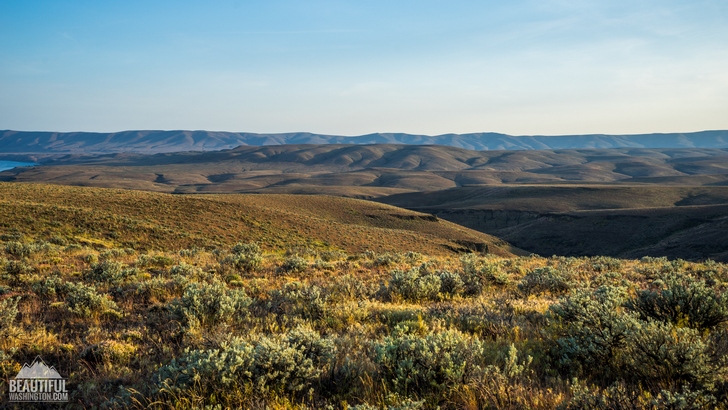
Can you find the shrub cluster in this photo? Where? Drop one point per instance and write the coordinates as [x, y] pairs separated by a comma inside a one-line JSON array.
[[216, 327], [246, 257], [294, 264], [210, 304], [109, 272], [8, 314], [22, 250], [422, 283], [298, 299], [415, 285], [478, 272], [661, 337], [435, 364], [683, 301], [84, 301], [284, 365], [546, 279]]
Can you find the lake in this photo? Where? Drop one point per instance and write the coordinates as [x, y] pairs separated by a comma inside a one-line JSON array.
[[12, 164]]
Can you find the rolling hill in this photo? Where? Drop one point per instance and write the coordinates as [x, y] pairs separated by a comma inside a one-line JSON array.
[[368, 171], [521, 196], [145, 220]]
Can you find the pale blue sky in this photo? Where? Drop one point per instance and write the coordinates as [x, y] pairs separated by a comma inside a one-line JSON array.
[[355, 67]]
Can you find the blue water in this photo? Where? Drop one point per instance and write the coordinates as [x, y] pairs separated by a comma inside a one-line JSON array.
[[12, 164]]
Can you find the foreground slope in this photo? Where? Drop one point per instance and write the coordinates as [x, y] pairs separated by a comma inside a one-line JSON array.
[[144, 220], [244, 327]]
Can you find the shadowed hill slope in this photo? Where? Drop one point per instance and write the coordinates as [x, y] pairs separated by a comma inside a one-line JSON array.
[[613, 220], [687, 232], [560, 198], [145, 220]]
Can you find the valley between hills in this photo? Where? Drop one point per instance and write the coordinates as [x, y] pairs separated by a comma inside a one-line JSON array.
[[620, 202]]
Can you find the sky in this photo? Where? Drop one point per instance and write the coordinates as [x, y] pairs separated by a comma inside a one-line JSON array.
[[520, 67]]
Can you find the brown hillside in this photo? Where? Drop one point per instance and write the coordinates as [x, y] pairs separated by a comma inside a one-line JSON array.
[[374, 170], [107, 217]]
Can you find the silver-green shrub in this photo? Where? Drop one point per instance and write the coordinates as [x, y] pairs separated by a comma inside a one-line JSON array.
[[414, 285], [685, 399], [16, 268], [84, 301], [109, 272], [291, 363], [209, 304], [294, 264], [682, 300], [246, 248], [615, 396], [246, 257], [591, 327], [207, 371], [159, 261], [546, 279], [451, 284], [668, 355], [284, 364], [393, 401], [605, 264], [186, 271], [348, 287], [620, 395], [498, 386], [298, 299], [479, 272], [435, 364], [22, 250], [8, 313], [50, 287]]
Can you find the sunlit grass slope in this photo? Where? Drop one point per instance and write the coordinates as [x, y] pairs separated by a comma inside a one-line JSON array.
[[142, 220]]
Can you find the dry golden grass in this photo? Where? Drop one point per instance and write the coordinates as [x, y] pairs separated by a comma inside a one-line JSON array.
[[142, 220], [101, 353], [107, 281]]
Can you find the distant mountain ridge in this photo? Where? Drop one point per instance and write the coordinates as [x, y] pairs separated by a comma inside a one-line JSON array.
[[174, 141]]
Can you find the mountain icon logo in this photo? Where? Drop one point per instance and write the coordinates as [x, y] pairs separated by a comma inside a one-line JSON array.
[[38, 370], [37, 383]]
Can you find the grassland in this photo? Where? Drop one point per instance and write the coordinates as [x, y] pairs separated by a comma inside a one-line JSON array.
[[147, 300], [151, 221]]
